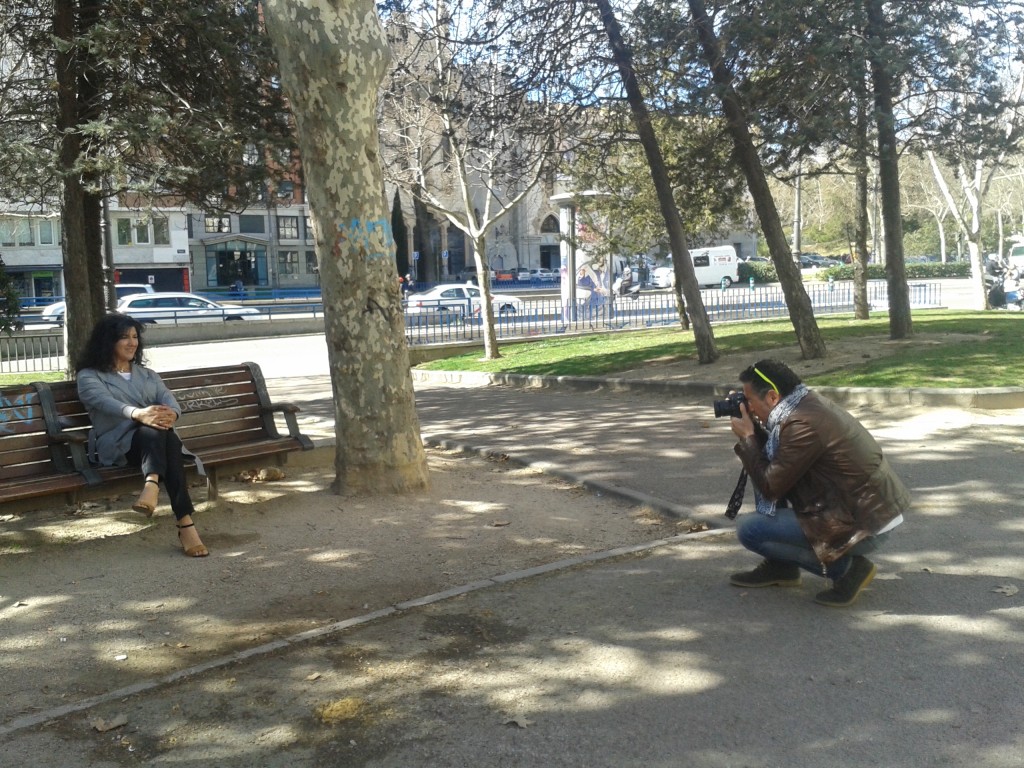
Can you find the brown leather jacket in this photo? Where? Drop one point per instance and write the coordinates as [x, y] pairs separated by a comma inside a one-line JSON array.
[[831, 472]]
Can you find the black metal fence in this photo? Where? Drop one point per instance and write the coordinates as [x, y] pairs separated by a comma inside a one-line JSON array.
[[38, 351]]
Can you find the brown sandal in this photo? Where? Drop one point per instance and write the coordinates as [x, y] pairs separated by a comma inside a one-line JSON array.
[[143, 507], [197, 550]]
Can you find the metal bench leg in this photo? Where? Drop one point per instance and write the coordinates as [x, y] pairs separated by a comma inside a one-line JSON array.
[[211, 484]]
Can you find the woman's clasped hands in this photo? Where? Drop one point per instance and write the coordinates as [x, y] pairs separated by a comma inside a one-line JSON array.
[[156, 416]]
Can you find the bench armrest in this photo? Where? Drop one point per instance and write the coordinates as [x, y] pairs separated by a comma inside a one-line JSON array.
[[288, 410]]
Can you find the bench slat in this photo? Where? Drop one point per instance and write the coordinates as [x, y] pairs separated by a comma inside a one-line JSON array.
[[226, 417]]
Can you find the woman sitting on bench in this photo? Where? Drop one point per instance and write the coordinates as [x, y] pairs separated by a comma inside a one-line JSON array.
[[133, 415]]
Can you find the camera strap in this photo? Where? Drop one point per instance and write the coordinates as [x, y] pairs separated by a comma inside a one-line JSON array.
[[736, 500]]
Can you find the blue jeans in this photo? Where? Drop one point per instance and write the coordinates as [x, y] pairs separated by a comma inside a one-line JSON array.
[[780, 538]]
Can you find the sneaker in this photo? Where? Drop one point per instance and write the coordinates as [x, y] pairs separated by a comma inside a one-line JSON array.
[[770, 573], [846, 589]]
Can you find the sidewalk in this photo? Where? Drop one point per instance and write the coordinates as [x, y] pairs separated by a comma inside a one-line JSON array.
[[645, 657]]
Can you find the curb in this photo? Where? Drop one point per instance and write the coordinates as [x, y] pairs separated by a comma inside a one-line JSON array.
[[597, 487], [980, 398]]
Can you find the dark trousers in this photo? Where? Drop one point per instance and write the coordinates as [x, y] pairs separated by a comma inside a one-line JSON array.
[[158, 452]]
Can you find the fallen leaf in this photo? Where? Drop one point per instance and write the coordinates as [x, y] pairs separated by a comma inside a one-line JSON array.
[[314, 676], [501, 523], [103, 726], [518, 722], [1006, 589], [182, 645], [121, 657], [270, 473]]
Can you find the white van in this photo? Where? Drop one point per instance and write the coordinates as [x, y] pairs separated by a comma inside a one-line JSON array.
[[712, 266]]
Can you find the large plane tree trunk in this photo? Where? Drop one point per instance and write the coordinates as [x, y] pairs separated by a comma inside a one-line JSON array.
[[333, 55]]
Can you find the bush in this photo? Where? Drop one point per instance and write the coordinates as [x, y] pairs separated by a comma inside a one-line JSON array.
[[761, 271], [764, 272], [915, 271]]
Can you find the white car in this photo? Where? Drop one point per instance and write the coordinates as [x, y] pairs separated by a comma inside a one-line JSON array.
[[458, 297], [54, 313], [173, 308], [543, 275]]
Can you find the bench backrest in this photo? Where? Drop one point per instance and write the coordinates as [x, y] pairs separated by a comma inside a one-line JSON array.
[[222, 406], [26, 450]]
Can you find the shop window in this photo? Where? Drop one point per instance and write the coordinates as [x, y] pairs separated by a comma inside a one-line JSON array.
[[288, 227]]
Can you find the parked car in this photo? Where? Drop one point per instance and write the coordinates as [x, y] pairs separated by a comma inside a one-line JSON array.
[[170, 308], [455, 297], [54, 313], [816, 261], [543, 275], [468, 274], [522, 275]]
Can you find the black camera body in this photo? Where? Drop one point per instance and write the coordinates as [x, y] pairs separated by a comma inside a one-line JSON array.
[[730, 406]]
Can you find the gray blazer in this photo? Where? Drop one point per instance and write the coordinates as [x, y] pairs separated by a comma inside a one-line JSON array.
[[110, 399]]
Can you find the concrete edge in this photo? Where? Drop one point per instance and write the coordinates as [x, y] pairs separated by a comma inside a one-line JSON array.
[[595, 486], [979, 398]]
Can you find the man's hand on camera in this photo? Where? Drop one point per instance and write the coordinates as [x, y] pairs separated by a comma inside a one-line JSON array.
[[743, 426]]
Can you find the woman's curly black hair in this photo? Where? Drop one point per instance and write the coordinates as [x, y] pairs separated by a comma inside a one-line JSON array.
[[99, 350]]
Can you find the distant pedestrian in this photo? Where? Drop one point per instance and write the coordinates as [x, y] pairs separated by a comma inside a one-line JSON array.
[[826, 496], [410, 284]]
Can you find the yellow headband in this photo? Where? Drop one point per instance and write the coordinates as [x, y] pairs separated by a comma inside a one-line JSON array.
[[770, 382]]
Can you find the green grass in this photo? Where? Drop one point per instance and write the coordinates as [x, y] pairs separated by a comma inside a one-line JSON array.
[[12, 379], [993, 357]]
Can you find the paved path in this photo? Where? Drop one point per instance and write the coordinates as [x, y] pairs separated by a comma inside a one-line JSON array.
[[652, 659]]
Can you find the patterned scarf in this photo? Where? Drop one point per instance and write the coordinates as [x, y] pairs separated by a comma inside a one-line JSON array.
[[779, 413]]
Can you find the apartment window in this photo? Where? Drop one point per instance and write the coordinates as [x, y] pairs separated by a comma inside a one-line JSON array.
[[46, 232], [217, 223], [285, 190], [254, 225], [141, 232], [309, 227], [288, 227], [124, 231], [312, 266], [6, 232], [161, 232], [287, 262], [25, 232]]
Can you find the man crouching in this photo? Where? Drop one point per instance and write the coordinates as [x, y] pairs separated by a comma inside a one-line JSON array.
[[826, 496]]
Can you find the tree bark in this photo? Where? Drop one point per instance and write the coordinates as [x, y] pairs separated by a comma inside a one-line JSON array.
[[900, 324], [333, 55], [686, 277], [801, 313], [80, 239], [861, 307]]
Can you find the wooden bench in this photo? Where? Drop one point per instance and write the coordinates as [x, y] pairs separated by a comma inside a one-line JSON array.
[[226, 417], [35, 460]]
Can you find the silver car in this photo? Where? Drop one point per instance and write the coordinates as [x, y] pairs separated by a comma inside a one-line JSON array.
[[174, 308]]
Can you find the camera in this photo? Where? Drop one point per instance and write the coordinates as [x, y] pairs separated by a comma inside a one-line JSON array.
[[730, 406]]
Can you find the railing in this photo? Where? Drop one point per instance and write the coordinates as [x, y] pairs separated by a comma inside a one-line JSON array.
[[41, 350]]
